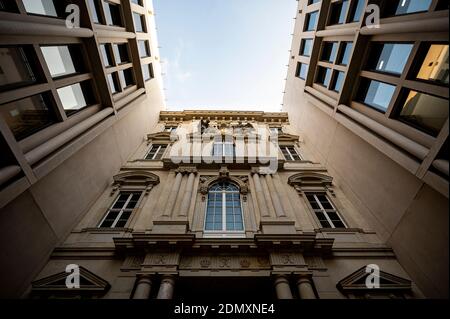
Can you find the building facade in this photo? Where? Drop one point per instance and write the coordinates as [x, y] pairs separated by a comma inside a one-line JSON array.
[[76, 100], [194, 214], [367, 87]]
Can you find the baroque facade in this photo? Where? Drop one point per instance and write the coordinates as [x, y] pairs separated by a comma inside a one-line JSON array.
[[227, 227]]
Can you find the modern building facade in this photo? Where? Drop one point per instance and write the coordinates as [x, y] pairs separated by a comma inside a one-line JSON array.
[[370, 99], [75, 102]]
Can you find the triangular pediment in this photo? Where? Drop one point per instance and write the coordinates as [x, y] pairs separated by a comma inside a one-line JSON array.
[[284, 137], [357, 282], [89, 282]]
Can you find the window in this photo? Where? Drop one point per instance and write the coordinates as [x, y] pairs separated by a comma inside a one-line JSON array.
[[105, 50], [323, 76], [95, 9], [311, 21], [402, 7], [290, 153], [51, 8], [357, 11], [144, 48], [338, 12], [27, 116], [126, 78], [338, 80], [306, 47], [313, 1], [62, 60], [170, 129], [139, 22], [389, 57], [302, 71], [346, 51], [75, 97], [121, 53], [276, 130], [426, 112], [147, 71], [376, 94], [329, 51], [156, 152], [113, 83], [8, 5], [120, 212], [112, 14], [18, 67], [138, 2], [224, 212], [224, 148], [434, 67], [325, 211]]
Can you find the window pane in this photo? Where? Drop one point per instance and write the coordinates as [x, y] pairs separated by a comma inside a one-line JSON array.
[[346, 51], [306, 47], [338, 81], [389, 57], [8, 5], [112, 14], [93, 5], [376, 94], [147, 71], [121, 53], [43, 7], [435, 65], [329, 51], [27, 116], [311, 21], [138, 22], [338, 12], [357, 11], [144, 50], [72, 97], [16, 67], [401, 7], [323, 76], [302, 71], [126, 78], [59, 60], [425, 111], [106, 55]]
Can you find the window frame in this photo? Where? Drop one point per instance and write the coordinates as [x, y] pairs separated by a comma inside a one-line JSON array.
[[323, 210], [292, 159], [122, 210], [155, 157]]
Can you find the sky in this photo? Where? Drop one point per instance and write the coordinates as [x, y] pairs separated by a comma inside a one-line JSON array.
[[225, 54]]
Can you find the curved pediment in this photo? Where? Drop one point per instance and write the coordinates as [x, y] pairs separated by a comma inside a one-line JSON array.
[[310, 179], [160, 137], [136, 177]]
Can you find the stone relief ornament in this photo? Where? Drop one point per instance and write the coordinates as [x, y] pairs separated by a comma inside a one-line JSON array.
[[245, 263], [224, 262], [205, 262]]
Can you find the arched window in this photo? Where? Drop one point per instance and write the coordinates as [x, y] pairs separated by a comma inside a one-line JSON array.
[[224, 210]]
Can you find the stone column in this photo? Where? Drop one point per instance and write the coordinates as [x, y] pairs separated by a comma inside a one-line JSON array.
[[282, 287], [173, 195], [305, 288], [167, 287], [279, 211], [260, 196], [267, 196], [186, 201], [143, 287]]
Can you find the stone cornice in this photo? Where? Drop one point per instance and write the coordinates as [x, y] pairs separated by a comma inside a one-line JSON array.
[[224, 115]]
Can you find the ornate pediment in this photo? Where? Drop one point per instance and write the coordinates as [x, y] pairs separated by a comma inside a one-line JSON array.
[[160, 137], [388, 282], [310, 179], [136, 179], [287, 138], [89, 283]]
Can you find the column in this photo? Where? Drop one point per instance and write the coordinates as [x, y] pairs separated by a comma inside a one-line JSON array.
[[260, 196], [173, 195], [143, 287], [305, 288], [267, 196], [186, 201], [282, 287], [279, 211], [167, 287]]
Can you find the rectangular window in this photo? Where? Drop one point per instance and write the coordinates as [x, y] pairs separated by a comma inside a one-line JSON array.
[[426, 112], [113, 83], [311, 21], [27, 116], [18, 67], [112, 14], [126, 78], [170, 129], [338, 81], [377, 95], [105, 50], [138, 2], [95, 9], [306, 47], [302, 70], [139, 22], [62, 60], [156, 152], [338, 12], [357, 11], [51, 8], [389, 57], [323, 76], [120, 212], [144, 48], [434, 67], [276, 130], [75, 97], [147, 71], [325, 211], [346, 51], [290, 153], [225, 149], [402, 7], [121, 53], [329, 51]]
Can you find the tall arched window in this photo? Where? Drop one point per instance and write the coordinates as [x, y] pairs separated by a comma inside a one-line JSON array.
[[224, 210]]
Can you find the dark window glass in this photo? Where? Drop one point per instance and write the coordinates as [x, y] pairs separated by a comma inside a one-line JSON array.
[[95, 9], [306, 47], [325, 211], [144, 48], [75, 97], [376, 94], [113, 83], [424, 111], [323, 76], [302, 71], [443, 5], [107, 58], [156, 152], [121, 53], [51, 8], [62, 60], [329, 51], [126, 78], [313, 1], [147, 71], [311, 21], [389, 57], [357, 11], [139, 22], [338, 12], [139, 2], [402, 7], [338, 80], [8, 5], [112, 14], [346, 51], [27, 116], [434, 67], [18, 67], [120, 212]]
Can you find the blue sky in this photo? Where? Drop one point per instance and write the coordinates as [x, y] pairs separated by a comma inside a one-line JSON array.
[[225, 54]]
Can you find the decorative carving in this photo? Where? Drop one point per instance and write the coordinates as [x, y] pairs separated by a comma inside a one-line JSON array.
[[224, 262], [245, 263], [186, 170], [160, 259], [207, 181], [286, 259], [143, 179], [205, 262]]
